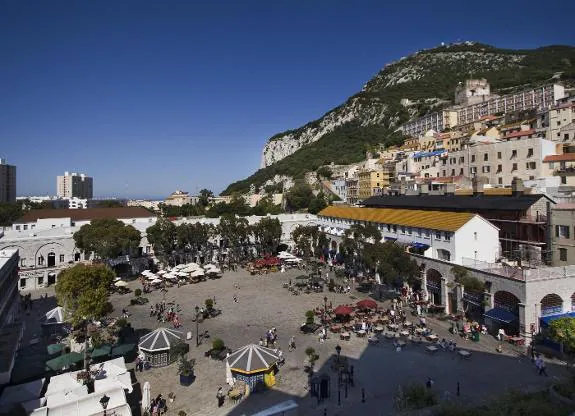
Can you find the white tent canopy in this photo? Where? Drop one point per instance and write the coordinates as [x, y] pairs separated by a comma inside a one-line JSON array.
[[54, 316], [197, 273], [252, 357], [159, 340], [120, 283]]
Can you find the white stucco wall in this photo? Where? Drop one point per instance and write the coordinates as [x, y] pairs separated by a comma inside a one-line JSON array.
[[478, 239]]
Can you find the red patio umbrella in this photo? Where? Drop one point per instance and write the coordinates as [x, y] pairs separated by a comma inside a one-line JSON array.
[[367, 304], [343, 310]]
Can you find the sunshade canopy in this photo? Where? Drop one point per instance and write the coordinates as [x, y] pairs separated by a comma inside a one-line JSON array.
[[160, 340], [367, 304], [54, 348], [120, 283], [252, 359], [502, 315], [101, 351], [53, 316], [65, 360], [122, 349], [343, 310]]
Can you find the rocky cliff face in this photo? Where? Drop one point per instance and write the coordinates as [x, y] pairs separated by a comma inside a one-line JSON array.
[[285, 144], [402, 90], [407, 70]]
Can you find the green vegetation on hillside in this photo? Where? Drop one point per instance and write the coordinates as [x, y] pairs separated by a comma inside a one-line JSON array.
[[346, 144], [429, 74]]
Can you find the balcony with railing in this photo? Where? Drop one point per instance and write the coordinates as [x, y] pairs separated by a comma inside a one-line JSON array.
[[565, 171]]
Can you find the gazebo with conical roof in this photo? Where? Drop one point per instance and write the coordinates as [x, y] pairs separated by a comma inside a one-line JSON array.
[[253, 364], [156, 345]]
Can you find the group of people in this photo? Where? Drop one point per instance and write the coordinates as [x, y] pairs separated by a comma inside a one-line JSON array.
[[158, 406], [166, 315], [270, 338]]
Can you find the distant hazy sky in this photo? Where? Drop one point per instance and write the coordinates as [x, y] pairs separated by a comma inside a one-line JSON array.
[[152, 96]]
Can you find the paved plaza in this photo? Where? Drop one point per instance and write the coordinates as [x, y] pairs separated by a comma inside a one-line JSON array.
[[263, 303]]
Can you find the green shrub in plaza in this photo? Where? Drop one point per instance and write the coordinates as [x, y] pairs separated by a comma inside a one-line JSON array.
[[138, 293], [218, 344], [309, 317]]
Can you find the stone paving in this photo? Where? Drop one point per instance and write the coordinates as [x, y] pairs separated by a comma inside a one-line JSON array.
[[263, 304]]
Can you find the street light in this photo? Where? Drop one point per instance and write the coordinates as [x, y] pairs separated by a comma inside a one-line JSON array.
[[104, 402], [324, 309], [197, 326]]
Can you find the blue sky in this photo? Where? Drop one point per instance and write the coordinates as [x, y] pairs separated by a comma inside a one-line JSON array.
[[152, 96]]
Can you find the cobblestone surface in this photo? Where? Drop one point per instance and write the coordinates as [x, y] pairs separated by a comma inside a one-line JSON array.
[[263, 304]]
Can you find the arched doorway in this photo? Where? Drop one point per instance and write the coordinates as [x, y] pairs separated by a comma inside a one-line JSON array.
[[51, 259], [434, 286], [551, 304], [505, 313]]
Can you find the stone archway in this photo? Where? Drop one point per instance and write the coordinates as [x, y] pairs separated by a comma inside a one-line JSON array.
[[434, 286], [551, 304], [506, 300]]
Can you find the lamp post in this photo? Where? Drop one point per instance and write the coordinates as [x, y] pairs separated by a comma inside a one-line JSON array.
[[197, 326], [104, 402], [324, 310]]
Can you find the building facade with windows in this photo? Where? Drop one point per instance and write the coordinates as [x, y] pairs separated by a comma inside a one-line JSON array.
[[563, 237], [7, 182], [11, 330], [447, 236], [437, 121], [74, 185], [44, 239], [498, 163], [562, 166]]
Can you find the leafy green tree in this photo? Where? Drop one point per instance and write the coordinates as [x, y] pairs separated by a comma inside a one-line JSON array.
[[267, 234], [317, 204], [471, 284], [266, 206], [194, 238], [204, 197], [357, 241], [111, 203], [235, 231], [562, 330], [9, 213], [163, 238], [299, 196], [83, 291], [309, 240], [107, 238], [393, 263], [324, 172]]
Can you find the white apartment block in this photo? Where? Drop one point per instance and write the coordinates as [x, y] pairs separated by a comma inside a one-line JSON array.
[[437, 121], [557, 123], [499, 162], [525, 100], [537, 98], [74, 185]]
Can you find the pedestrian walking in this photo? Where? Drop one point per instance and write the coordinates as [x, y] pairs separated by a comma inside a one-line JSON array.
[[220, 397], [235, 298], [291, 345]]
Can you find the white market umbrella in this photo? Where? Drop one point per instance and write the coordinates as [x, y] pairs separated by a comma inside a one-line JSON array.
[[213, 270], [182, 274], [146, 396], [161, 272], [285, 255], [147, 272], [180, 266], [197, 273], [229, 375], [152, 277], [120, 283], [155, 281]]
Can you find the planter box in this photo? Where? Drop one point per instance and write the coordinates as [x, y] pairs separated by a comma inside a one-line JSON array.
[[186, 380]]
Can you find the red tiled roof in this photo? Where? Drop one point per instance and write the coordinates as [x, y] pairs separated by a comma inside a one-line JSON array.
[[85, 214], [489, 117], [520, 134], [565, 157]]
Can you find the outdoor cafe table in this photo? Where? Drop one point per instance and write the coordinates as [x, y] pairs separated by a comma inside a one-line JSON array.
[[432, 338], [389, 335], [361, 333], [407, 324], [335, 328], [393, 327], [516, 340], [419, 330], [404, 333], [344, 336], [378, 329]]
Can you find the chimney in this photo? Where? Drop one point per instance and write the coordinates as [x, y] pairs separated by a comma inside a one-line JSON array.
[[449, 189], [477, 186], [517, 187]]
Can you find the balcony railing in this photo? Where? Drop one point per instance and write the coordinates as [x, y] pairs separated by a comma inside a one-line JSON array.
[[570, 171]]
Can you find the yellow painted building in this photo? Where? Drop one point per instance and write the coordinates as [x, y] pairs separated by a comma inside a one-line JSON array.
[[372, 181]]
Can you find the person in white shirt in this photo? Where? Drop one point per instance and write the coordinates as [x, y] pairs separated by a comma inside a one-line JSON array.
[[501, 334]]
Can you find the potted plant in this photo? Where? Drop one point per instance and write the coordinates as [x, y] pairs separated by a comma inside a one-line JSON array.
[[186, 371], [209, 304], [312, 357], [138, 293]]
